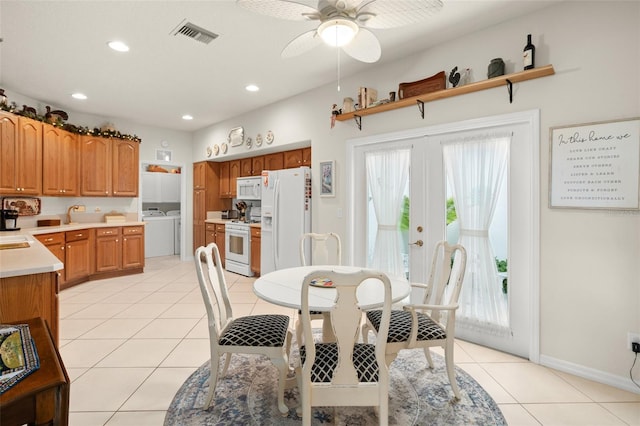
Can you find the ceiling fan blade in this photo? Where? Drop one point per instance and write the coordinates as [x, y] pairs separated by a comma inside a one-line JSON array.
[[300, 10], [365, 47], [301, 44], [397, 13]]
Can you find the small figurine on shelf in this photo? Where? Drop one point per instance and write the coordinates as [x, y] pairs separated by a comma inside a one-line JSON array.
[[334, 112], [454, 77]]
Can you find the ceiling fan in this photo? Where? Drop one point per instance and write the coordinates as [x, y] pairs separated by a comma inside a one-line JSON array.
[[344, 23]]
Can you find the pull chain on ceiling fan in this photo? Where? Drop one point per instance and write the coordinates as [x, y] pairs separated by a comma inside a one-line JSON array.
[[344, 23]]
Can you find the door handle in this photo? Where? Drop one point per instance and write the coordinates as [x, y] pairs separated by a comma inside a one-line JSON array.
[[418, 243]]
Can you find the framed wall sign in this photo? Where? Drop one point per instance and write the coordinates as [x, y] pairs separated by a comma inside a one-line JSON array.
[[595, 165], [327, 179]]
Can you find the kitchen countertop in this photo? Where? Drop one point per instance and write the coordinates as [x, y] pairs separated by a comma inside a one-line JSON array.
[[225, 221], [37, 259]]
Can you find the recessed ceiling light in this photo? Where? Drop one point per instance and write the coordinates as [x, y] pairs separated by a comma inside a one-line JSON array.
[[252, 88], [187, 117], [80, 96], [118, 46]]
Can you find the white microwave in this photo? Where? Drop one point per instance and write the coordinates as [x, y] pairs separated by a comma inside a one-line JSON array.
[[248, 188]]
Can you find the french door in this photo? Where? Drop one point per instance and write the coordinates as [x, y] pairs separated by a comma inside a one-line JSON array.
[[426, 213]]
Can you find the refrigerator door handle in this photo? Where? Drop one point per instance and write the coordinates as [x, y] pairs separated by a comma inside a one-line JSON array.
[[274, 222]]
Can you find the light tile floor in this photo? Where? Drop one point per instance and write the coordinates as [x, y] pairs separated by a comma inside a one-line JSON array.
[[129, 343]]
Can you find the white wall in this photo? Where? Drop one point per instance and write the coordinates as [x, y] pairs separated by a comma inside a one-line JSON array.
[[590, 285]]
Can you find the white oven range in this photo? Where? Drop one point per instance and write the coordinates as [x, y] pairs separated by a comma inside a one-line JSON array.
[[238, 248]]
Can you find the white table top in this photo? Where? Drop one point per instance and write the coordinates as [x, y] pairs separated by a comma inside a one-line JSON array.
[[283, 288]]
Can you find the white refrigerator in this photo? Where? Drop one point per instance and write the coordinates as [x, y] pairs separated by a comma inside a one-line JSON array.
[[286, 215]]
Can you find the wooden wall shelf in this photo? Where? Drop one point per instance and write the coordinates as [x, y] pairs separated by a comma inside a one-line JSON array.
[[420, 100]]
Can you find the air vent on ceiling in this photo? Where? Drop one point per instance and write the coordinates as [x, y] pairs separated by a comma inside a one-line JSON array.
[[195, 32]]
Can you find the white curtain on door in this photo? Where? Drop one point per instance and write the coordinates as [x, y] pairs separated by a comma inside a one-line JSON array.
[[387, 174], [475, 168]]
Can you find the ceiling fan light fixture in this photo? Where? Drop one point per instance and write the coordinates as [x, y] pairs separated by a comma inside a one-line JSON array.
[[338, 32]]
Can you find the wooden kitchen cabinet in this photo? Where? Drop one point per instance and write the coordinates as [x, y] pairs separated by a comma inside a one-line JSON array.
[[108, 249], [95, 154], [274, 161], [206, 197], [257, 165], [133, 247], [77, 261], [225, 183], [60, 166], [55, 243], [255, 249], [229, 173], [29, 296], [20, 155], [215, 233], [251, 166], [306, 156], [126, 168], [297, 158], [246, 167], [109, 167]]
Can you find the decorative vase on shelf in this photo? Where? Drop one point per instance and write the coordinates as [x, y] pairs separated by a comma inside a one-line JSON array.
[[496, 68]]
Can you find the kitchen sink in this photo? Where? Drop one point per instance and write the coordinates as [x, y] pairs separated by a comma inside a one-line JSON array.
[[15, 241]]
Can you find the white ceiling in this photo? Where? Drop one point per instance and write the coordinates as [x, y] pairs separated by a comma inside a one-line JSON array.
[[51, 49]]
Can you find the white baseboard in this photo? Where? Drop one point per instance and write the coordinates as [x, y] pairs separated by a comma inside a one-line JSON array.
[[619, 382]]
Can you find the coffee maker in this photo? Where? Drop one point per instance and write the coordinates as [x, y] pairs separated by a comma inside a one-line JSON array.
[[9, 220]]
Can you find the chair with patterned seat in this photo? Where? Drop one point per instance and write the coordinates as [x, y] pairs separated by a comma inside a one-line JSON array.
[[344, 372], [323, 252], [255, 334], [431, 323]]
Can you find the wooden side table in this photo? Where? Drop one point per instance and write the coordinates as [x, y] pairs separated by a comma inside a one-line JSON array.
[[41, 398]]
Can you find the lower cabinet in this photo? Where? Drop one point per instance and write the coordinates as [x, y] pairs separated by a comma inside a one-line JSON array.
[[255, 250], [77, 260], [215, 233], [90, 254], [132, 247], [108, 249]]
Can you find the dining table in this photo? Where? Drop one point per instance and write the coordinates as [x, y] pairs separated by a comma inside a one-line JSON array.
[[283, 287]]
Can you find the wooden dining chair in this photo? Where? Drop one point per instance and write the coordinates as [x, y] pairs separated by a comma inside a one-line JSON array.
[[431, 323], [320, 244], [344, 372], [256, 334]]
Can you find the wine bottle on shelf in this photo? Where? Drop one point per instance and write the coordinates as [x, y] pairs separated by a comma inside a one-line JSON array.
[[529, 54]]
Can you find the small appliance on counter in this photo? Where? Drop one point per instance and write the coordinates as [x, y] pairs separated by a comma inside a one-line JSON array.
[[229, 214], [9, 220]]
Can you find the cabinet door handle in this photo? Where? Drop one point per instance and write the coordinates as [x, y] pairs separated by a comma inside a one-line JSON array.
[[46, 240]]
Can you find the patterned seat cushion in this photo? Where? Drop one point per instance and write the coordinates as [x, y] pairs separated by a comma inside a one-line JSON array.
[[400, 327], [256, 330], [364, 359]]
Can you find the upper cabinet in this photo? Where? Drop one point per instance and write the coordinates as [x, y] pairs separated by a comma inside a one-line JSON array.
[[60, 152], [20, 155], [274, 161], [297, 158], [125, 167], [229, 173], [109, 167]]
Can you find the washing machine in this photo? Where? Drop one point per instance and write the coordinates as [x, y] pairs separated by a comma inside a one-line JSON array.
[[177, 229], [159, 233]]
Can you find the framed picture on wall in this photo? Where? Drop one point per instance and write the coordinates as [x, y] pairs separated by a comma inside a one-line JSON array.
[[595, 165], [327, 178]]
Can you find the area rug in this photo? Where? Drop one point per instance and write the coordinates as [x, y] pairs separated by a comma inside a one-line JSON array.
[[418, 395]]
